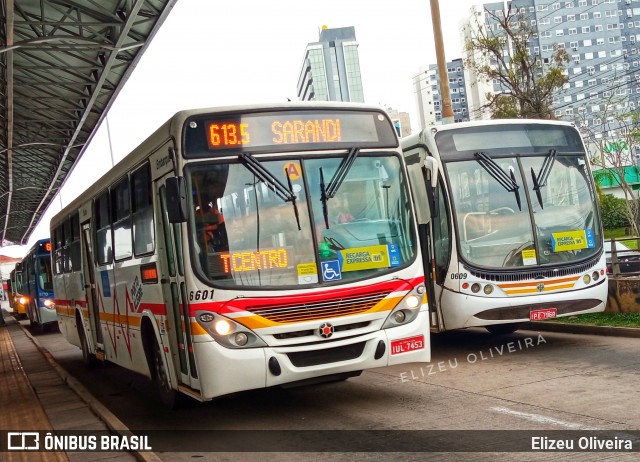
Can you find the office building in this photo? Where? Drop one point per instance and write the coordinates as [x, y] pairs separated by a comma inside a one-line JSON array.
[[426, 86], [401, 121], [600, 37], [331, 68]]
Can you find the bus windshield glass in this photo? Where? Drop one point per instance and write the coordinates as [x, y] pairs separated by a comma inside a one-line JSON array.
[[268, 222], [521, 195]]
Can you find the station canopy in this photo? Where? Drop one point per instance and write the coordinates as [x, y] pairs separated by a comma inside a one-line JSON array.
[[62, 64]]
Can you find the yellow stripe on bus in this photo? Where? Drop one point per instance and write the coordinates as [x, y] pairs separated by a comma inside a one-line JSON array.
[[534, 284], [534, 290], [197, 329]]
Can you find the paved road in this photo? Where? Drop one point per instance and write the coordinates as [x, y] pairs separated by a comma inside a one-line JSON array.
[[540, 381]]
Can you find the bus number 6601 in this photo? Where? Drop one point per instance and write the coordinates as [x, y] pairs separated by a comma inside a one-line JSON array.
[[200, 295]]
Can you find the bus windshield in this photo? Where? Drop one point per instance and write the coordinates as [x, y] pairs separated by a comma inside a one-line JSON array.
[[278, 228], [523, 205]]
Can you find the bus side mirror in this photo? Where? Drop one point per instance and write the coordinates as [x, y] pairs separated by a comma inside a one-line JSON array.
[[423, 177], [420, 195], [430, 170], [176, 199]]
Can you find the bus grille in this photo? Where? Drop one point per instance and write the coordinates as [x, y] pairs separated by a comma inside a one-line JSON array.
[[319, 310], [328, 355], [523, 275]]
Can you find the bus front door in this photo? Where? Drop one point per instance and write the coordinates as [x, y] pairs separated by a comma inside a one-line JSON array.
[[177, 303], [91, 291]]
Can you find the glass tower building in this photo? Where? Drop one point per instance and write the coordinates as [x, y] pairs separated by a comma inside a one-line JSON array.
[[331, 68]]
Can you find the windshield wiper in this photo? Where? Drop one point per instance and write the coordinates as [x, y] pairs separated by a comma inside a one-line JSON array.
[[324, 199], [254, 166], [340, 174], [541, 179], [508, 182]]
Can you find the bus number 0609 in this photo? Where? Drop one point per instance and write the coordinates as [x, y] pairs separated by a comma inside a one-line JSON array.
[[458, 275], [200, 295]]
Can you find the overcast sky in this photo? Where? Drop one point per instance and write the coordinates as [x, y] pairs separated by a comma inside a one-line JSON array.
[[215, 53]]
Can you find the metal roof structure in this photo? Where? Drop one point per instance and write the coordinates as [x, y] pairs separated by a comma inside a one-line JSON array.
[[62, 64]]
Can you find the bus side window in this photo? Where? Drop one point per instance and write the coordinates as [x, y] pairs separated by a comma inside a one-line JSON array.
[[75, 242], [103, 229], [121, 216], [142, 211]]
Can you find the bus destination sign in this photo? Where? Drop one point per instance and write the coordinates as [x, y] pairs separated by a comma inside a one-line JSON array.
[[288, 131]]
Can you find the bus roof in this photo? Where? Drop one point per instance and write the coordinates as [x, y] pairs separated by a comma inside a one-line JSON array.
[[424, 137], [172, 129]]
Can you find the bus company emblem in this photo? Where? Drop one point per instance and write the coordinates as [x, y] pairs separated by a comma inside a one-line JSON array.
[[326, 330], [540, 287]]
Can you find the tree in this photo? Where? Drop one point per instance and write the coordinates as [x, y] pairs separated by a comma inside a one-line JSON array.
[[613, 143], [614, 212], [503, 55]]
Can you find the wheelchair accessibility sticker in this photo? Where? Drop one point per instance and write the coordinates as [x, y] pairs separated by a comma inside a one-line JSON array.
[[331, 270]]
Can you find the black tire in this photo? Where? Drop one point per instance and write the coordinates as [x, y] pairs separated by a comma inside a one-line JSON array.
[[503, 329], [169, 397], [89, 359], [32, 315]]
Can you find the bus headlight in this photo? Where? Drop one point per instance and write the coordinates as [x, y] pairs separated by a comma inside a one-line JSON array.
[[222, 327], [48, 303], [399, 316], [227, 332], [412, 301], [407, 310], [23, 300], [586, 279], [241, 338]]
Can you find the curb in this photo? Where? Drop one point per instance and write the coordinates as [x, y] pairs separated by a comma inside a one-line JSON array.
[[111, 421], [582, 329]]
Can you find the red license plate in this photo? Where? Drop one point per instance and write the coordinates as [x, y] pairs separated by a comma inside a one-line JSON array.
[[539, 315], [407, 344]]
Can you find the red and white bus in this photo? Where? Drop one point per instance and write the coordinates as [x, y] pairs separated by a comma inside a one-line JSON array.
[[246, 247]]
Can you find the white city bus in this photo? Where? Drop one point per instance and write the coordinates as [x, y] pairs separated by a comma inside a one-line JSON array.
[[246, 247], [515, 232]]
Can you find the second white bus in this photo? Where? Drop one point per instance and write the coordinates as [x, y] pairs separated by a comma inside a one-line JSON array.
[[515, 232]]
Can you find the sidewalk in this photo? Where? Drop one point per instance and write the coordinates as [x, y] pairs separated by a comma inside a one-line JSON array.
[[583, 329], [37, 395]]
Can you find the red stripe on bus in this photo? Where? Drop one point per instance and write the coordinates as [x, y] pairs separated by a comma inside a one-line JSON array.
[[159, 309], [240, 304]]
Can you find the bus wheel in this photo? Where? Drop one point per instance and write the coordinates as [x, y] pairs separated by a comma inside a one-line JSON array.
[[503, 329], [33, 318], [89, 359], [168, 396]]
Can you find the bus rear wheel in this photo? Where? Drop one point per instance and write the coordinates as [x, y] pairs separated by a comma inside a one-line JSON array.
[[503, 329]]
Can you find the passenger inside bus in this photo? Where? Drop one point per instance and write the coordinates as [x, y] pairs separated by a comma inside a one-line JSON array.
[[210, 225], [340, 210]]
